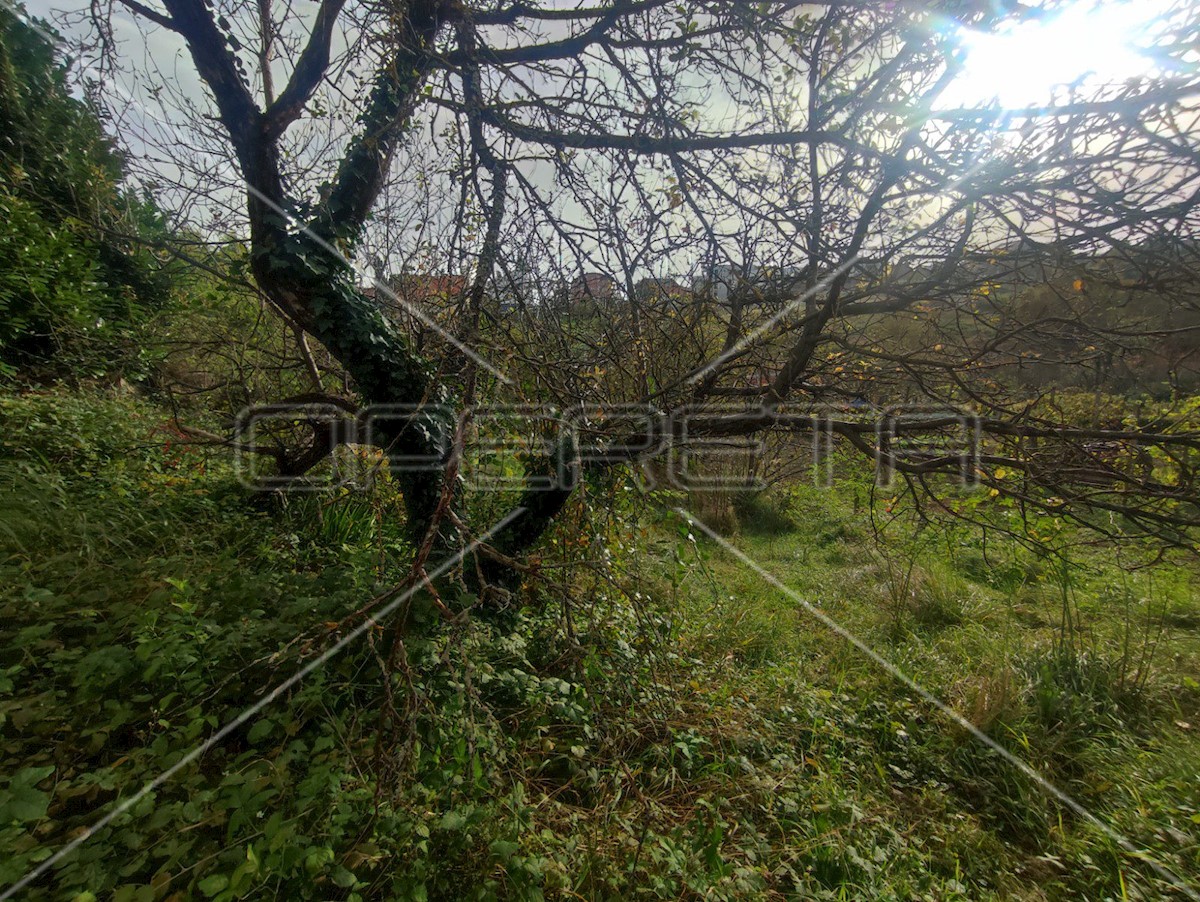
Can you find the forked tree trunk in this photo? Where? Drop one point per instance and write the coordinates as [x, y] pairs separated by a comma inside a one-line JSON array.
[[388, 371], [302, 269]]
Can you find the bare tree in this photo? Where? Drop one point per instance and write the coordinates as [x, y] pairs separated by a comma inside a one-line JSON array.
[[799, 161]]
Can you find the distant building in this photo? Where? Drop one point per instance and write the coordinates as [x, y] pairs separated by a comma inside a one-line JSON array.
[[753, 284], [417, 288], [592, 286], [718, 282], [650, 291]]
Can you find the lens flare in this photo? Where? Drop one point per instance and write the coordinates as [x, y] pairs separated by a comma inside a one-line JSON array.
[[1083, 45]]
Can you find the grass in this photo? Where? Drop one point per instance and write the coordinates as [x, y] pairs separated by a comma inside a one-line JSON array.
[[1096, 708], [663, 725]]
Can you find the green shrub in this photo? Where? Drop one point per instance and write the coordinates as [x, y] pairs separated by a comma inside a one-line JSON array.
[[73, 292]]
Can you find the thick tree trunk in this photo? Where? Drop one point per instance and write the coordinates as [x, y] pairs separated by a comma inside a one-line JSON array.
[[387, 370], [307, 277]]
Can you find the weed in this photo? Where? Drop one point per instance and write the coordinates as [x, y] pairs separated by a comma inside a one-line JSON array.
[[654, 722]]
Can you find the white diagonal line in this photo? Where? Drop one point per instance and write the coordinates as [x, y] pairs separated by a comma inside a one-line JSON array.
[[381, 286], [820, 286], [28, 20], [304, 228], [959, 719], [771, 321], [369, 621]]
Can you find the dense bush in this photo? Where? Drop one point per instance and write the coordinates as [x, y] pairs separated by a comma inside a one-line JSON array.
[[78, 275]]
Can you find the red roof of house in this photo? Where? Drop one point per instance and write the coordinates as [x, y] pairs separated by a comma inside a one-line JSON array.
[[593, 285], [422, 287]]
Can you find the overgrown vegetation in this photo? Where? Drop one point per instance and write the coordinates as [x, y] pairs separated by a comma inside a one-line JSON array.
[[79, 272], [655, 723], [212, 691]]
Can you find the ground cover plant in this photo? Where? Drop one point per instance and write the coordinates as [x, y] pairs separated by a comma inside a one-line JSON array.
[[662, 724], [630, 449]]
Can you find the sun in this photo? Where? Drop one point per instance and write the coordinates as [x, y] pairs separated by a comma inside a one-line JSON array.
[[1084, 44]]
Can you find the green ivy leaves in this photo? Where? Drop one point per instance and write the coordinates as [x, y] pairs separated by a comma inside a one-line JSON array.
[[21, 800]]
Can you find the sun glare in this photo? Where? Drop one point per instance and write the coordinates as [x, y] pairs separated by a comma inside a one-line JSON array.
[[1085, 44]]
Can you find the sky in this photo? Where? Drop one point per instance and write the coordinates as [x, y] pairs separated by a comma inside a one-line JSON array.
[[1079, 42]]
